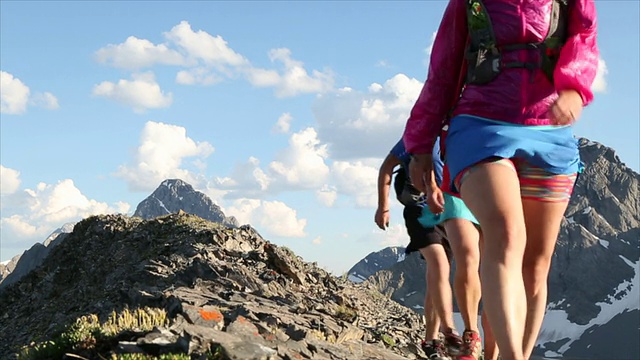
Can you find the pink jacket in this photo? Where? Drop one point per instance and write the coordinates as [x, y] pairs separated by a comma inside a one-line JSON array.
[[517, 95]]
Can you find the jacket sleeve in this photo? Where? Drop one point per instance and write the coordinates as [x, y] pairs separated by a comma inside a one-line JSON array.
[[578, 62], [441, 88]]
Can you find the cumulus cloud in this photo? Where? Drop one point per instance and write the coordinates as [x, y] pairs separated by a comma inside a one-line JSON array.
[[45, 100], [141, 93], [362, 124], [246, 179], [327, 195], [42, 210], [293, 79], [160, 155], [137, 53], [9, 180], [274, 218], [317, 241], [202, 46], [283, 124], [197, 76], [14, 96], [395, 235], [600, 82], [302, 164], [356, 179], [206, 59], [429, 48]]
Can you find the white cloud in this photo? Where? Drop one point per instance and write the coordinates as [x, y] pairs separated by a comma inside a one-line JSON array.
[[358, 180], [163, 147], [44, 209], [302, 165], [600, 82], [357, 125], [246, 179], [137, 53], [283, 124], [46, 100], [275, 218], [395, 235], [317, 241], [14, 94], [294, 78], [206, 59], [200, 45], [199, 75], [429, 48], [141, 93], [327, 195], [9, 180]]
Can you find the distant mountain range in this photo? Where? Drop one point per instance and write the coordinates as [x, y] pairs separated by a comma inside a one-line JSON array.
[[594, 296]]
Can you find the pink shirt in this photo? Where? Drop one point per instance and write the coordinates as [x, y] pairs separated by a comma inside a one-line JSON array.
[[518, 95]]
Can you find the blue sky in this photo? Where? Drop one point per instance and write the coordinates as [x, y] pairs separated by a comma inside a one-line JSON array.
[[281, 112]]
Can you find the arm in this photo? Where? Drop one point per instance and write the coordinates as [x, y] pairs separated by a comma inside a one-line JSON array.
[[384, 184], [578, 62], [440, 91]]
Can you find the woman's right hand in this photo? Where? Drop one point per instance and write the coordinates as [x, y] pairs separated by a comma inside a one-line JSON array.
[[567, 108], [419, 170], [382, 218], [435, 201]]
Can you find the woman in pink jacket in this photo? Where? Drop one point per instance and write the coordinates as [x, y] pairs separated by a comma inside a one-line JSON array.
[[510, 147]]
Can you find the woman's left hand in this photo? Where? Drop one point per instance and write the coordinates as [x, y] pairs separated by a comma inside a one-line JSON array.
[[567, 108]]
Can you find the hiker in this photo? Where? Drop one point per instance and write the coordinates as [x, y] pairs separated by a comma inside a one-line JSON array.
[[432, 244], [461, 229], [527, 68]]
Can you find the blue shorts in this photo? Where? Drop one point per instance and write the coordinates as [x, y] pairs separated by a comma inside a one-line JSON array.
[[454, 208], [472, 139]]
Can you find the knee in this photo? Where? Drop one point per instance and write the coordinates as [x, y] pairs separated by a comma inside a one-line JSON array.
[[505, 237], [535, 273]]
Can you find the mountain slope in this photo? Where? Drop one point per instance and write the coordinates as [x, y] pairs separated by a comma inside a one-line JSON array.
[[174, 195], [224, 289], [375, 262]]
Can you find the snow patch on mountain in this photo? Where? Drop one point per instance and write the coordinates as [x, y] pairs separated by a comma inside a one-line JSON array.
[[556, 325]]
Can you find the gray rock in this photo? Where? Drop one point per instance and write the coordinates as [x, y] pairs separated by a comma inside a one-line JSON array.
[[251, 300]]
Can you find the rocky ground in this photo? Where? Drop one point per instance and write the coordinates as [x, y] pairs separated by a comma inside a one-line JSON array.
[[222, 288]]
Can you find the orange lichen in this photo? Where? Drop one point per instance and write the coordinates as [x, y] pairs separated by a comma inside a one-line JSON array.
[[211, 315]]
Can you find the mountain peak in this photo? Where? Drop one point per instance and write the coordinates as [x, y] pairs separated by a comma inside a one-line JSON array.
[[174, 195]]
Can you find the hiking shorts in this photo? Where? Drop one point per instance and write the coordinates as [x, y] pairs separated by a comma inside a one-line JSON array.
[[420, 236], [546, 158]]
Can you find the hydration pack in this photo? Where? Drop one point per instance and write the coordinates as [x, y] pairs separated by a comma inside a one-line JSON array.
[[483, 54]]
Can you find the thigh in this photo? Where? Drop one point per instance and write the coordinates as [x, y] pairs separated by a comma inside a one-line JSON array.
[[464, 238], [491, 190]]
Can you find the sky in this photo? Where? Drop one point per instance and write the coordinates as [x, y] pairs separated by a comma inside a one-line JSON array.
[[281, 112]]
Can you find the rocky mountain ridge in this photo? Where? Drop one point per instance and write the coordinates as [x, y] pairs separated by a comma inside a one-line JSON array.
[[224, 288]]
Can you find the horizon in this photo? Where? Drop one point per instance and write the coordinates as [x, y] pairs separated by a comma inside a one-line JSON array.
[[281, 119]]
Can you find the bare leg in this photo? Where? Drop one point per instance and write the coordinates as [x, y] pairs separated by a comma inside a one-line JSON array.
[[490, 348], [543, 224], [438, 283], [492, 193], [432, 320], [464, 239]]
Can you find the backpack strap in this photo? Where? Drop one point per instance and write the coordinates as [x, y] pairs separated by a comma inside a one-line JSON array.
[[483, 54], [556, 37]]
